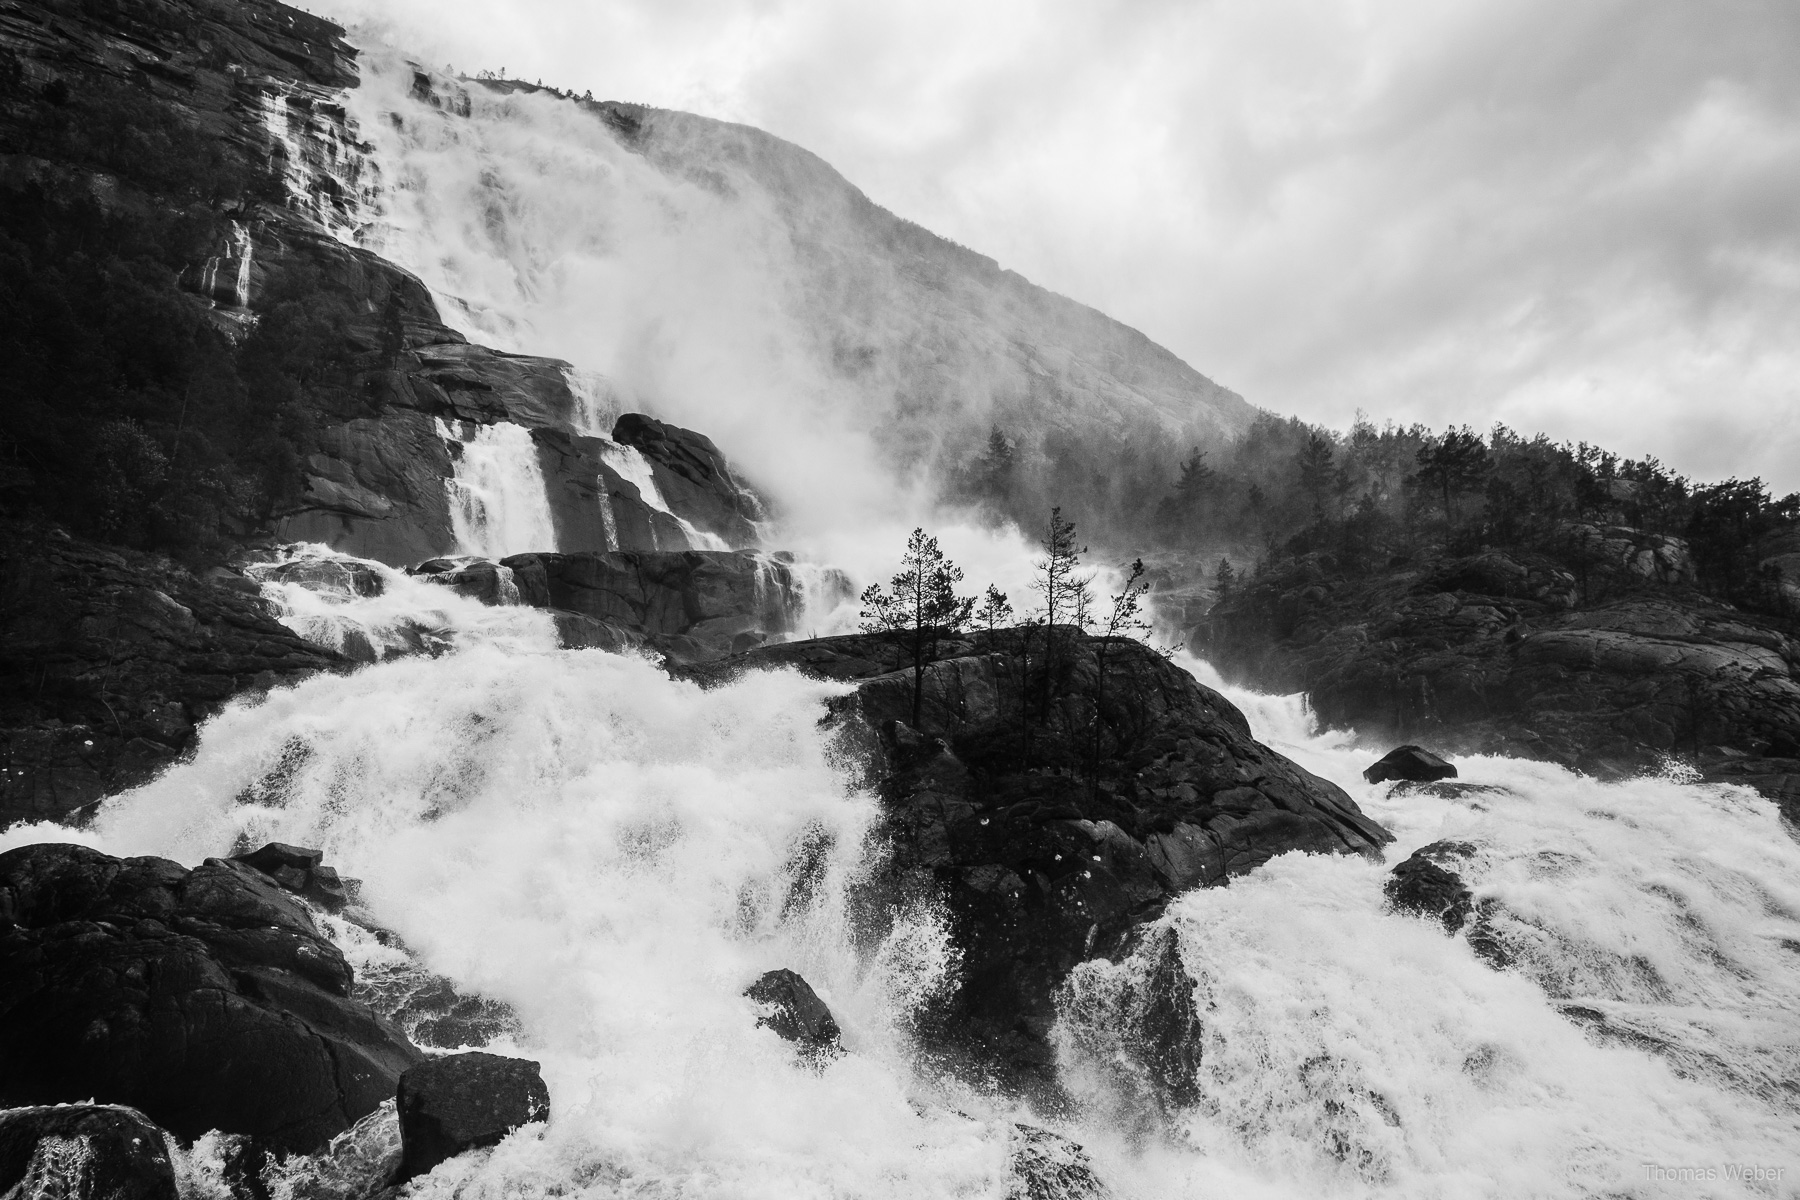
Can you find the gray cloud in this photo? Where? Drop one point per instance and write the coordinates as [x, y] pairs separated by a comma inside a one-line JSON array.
[[1574, 218]]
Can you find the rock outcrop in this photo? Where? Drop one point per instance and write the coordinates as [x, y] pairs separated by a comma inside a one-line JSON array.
[[1492, 654], [300, 871], [108, 661], [83, 1152], [464, 1102], [689, 605], [253, 94], [1415, 764], [1053, 811], [1423, 886], [694, 479], [794, 1011], [207, 999]]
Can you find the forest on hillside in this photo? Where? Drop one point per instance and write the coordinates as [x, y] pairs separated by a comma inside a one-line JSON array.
[[1381, 496]]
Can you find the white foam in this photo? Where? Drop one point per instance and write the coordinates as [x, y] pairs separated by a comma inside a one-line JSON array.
[[409, 614]]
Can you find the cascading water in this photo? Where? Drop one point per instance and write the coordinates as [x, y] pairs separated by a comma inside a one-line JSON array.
[[498, 502], [636, 470], [614, 855], [371, 612]]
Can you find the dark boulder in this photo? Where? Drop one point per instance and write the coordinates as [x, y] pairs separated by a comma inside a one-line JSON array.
[[207, 999], [1052, 813], [1421, 886], [1048, 1166], [83, 1152], [464, 1102], [299, 871], [795, 1010], [1410, 763]]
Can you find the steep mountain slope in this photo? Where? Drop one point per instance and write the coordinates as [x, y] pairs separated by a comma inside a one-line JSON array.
[[203, 354], [726, 279]]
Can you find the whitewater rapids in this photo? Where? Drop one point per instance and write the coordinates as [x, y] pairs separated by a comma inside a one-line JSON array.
[[616, 855]]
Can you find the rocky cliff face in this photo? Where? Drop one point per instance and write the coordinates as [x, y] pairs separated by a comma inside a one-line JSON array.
[[1494, 654], [389, 403], [209, 999], [758, 285], [108, 661]]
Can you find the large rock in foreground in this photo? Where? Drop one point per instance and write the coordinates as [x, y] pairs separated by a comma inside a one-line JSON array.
[[465, 1102], [83, 1152], [1054, 808], [206, 999]]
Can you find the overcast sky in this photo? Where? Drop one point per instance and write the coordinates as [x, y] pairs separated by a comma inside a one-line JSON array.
[[1575, 217]]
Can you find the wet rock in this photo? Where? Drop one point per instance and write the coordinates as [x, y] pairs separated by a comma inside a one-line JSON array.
[[693, 605], [1048, 1166], [478, 578], [796, 1012], [1411, 763], [299, 871], [694, 478], [331, 576], [1168, 1025], [1420, 886], [1048, 836], [465, 1102], [207, 999], [83, 1152], [108, 662], [1486, 655]]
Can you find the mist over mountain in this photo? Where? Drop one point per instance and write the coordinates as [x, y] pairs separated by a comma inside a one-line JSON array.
[[724, 279]]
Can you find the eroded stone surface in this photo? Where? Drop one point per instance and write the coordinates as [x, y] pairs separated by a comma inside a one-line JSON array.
[[207, 999]]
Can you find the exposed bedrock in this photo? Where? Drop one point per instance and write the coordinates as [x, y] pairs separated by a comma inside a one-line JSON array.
[[254, 91], [1052, 811], [206, 999], [692, 605], [1491, 655], [694, 478], [110, 658]]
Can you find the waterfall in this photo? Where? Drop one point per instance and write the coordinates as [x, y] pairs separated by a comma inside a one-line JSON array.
[[638, 471], [498, 502], [614, 855], [597, 402], [326, 170], [370, 611]]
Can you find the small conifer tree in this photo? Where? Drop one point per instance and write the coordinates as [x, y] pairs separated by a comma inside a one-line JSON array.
[[920, 606]]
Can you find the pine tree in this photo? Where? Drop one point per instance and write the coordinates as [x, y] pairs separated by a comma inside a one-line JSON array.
[[1065, 591], [1315, 464], [921, 607], [1124, 619], [991, 475], [1224, 581], [1456, 463], [996, 610]]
